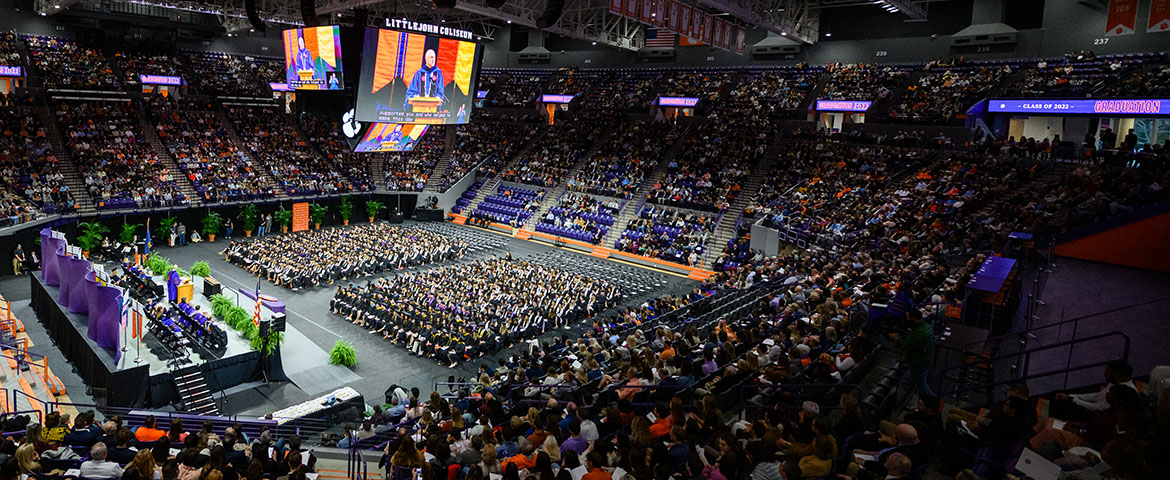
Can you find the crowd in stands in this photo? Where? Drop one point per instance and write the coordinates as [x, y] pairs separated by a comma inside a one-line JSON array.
[[708, 172], [456, 313], [1154, 83], [10, 49], [120, 168], [1074, 76], [704, 85], [30, 174], [517, 88], [63, 64], [205, 153], [667, 233], [624, 159], [477, 142], [589, 218], [409, 171], [772, 92], [273, 141], [325, 133], [556, 152], [622, 91], [219, 73], [942, 93], [863, 81], [135, 64], [572, 81], [311, 258]]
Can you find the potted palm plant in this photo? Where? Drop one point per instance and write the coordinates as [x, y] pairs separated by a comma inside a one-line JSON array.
[[317, 214], [283, 218], [345, 209], [372, 208], [91, 236], [129, 230], [211, 225], [248, 215]]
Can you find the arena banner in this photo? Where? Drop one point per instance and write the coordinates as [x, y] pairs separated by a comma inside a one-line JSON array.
[[1127, 106], [1122, 17], [684, 22], [696, 24], [631, 9], [615, 7], [646, 11], [660, 13], [1159, 16], [708, 29], [672, 19], [740, 40], [300, 219]]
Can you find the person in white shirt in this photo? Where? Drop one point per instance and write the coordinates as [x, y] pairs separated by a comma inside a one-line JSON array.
[[1079, 406], [98, 466]]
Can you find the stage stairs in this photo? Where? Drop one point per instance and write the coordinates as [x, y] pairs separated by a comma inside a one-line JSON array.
[[191, 384]]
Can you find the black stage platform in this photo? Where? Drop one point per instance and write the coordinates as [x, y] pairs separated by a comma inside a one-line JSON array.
[[128, 384]]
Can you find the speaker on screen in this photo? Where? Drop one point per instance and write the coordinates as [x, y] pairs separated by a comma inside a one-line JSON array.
[[552, 13], [309, 13], [495, 3], [253, 16]]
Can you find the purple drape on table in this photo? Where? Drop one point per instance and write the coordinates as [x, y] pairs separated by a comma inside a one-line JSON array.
[[105, 314], [50, 269], [74, 294]]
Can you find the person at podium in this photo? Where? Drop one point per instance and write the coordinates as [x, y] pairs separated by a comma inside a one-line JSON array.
[[304, 60], [427, 81]]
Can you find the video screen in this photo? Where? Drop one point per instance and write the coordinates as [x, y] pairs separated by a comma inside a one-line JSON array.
[[416, 78], [312, 58], [391, 137]]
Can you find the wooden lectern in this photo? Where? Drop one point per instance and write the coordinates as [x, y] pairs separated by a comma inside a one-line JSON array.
[[425, 104], [185, 292], [306, 75]]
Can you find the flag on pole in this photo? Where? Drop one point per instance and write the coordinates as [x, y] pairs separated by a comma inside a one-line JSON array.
[[146, 249], [256, 313]]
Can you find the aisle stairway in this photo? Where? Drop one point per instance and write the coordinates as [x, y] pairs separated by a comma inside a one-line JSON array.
[[635, 203], [725, 231], [73, 176], [554, 196], [491, 184], [164, 154], [444, 161]]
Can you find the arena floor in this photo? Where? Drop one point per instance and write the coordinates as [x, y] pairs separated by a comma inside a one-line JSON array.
[[380, 363]]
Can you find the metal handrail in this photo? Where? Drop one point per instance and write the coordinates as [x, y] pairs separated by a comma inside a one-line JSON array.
[[1125, 354]]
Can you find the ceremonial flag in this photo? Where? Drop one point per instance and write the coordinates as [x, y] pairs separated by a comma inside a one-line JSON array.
[[659, 38], [256, 313], [146, 249]]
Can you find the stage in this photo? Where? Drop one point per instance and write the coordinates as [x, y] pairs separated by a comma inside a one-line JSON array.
[[148, 383]]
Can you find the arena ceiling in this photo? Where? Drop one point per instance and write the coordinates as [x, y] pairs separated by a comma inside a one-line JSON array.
[[587, 20]]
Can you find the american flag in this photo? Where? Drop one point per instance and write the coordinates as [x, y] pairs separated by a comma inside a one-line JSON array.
[[256, 313], [659, 38]]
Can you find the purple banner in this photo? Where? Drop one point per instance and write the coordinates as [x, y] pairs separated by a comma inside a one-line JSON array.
[[10, 71], [80, 293], [556, 99], [677, 101], [843, 105], [1103, 106], [280, 87], [73, 294], [481, 93], [160, 80], [105, 315]]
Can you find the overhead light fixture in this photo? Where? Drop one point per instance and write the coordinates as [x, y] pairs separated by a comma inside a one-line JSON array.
[[339, 15], [784, 34], [56, 6], [827, 34], [252, 30], [595, 43], [509, 21]]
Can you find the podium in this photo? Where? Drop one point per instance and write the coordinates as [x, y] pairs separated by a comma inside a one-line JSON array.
[[185, 292], [306, 76], [425, 104]]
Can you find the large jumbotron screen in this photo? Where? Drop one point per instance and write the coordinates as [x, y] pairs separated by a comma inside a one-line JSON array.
[[391, 137], [312, 58], [416, 78]]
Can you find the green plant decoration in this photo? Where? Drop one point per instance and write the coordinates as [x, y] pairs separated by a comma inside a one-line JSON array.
[[373, 206], [343, 353], [164, 227], [275, 339], [282, 216], [212, 223], [129, 230], [158, 264], [346, 208], [91, 235], [317, 213], [201, 269], [248, 215]]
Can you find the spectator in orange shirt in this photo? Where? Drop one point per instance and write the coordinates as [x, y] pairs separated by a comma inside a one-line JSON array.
[[661, 427], [147, 433], [596, 467], [523, 460], [667, 350]]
